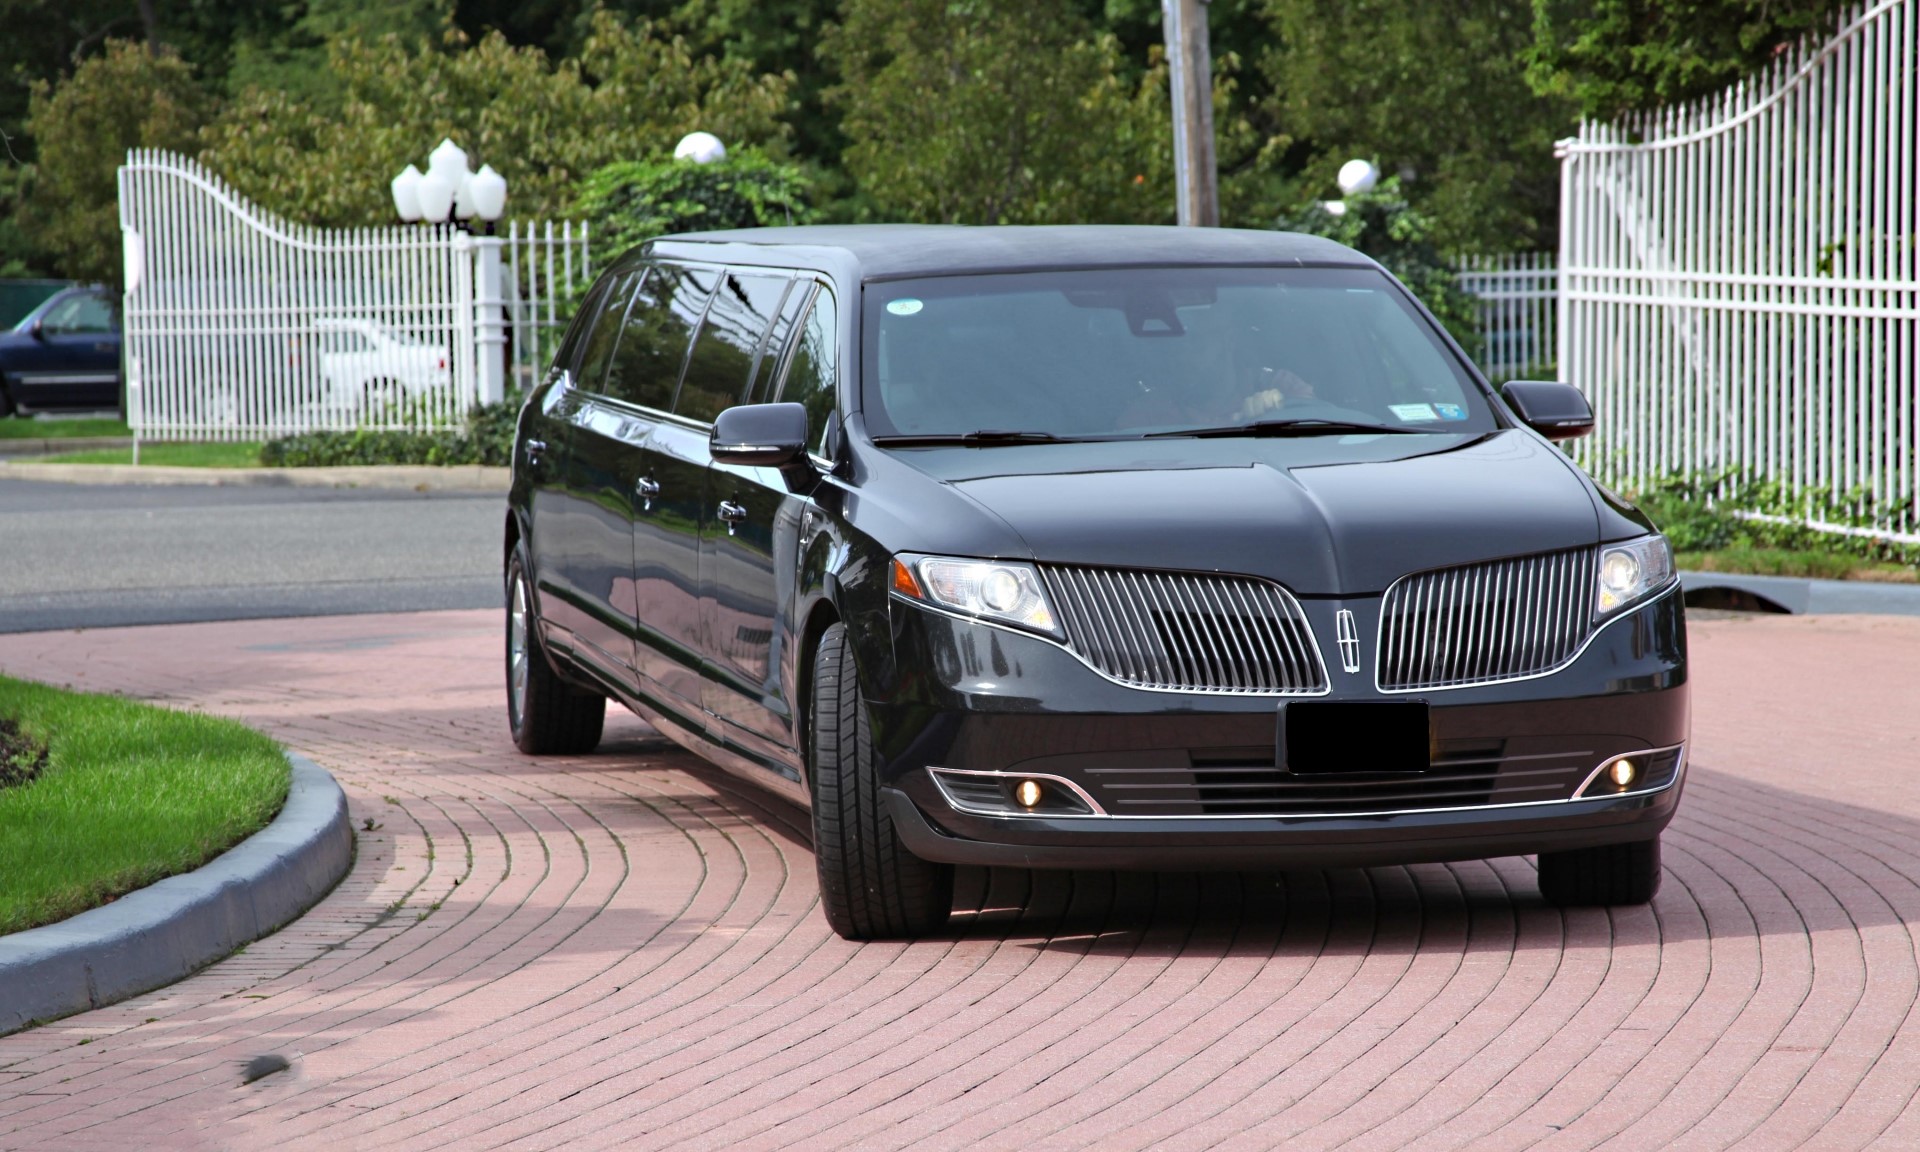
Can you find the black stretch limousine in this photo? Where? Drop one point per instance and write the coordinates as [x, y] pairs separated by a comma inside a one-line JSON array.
[[1090, 548]]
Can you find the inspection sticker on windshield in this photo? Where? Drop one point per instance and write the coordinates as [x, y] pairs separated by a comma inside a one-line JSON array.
[[1450, 411], [1413, 413], [905, 307]]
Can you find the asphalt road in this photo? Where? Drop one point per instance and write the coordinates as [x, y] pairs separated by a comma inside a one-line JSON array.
[[81, 556]]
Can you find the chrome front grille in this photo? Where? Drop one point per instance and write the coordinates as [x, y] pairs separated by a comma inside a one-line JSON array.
[[1187, 631], [1483, 623]]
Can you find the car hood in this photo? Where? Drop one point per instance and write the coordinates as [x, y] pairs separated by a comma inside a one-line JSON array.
[[1325, 516]]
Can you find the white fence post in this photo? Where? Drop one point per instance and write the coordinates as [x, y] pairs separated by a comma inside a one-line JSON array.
[[239, 325], [1740, 288]]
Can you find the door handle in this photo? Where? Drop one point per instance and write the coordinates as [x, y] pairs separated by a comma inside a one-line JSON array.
[[536, 455], [646, 488], [732, 513]]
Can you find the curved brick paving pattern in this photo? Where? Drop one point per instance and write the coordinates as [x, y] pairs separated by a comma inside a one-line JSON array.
[[624, 950]]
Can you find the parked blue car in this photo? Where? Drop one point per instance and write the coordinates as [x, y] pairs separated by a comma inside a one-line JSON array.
[[64, 354]]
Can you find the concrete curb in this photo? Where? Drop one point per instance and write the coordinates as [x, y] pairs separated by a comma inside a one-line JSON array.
[[171, 929], [1804, 597], [410, 477]]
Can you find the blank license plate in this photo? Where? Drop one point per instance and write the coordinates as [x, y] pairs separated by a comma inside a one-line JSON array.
[[1355, 736]]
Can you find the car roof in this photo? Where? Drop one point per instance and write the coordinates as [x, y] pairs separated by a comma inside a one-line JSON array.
[[892, 251]]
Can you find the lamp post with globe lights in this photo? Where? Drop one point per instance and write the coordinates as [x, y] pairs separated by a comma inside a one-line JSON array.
[[1356, 177], [448, 193]]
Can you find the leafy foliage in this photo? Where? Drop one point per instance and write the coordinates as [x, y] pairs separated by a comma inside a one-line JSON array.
[[127, 97], [1611, 57], [1702, 512], [629, 203], [1434, 91], [632, 91], [997, 112], [486, 439], [1383, 225]]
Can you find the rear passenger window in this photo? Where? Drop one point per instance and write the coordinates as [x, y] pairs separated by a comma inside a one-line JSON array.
[[743, 306], [605, 332], [766, 375], [814, 369], [653, 344]]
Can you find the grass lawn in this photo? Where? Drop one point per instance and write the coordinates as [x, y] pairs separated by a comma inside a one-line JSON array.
[[227, 454], [1779, 562], [21, 428], [118, 795]]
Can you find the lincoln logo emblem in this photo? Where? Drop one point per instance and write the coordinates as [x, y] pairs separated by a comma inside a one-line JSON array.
[[1349, 637]]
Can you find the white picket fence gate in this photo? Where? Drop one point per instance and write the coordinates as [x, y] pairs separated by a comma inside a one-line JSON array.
[[1739, 279], [240, 325], [1518, 296]]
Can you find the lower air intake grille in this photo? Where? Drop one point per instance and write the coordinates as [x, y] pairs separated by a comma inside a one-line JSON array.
[[1187, 631], [1486, 622]]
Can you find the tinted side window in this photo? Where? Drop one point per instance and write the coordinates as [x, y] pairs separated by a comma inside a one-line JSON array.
[[654, 344], [766, 375], [814, 369], [730, 335], [605, 332], [83, 313], [567, 355]]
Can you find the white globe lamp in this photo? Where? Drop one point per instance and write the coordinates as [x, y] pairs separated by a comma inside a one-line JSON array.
[[1357, 176], [700, 147], [487, 192], [406, 194]]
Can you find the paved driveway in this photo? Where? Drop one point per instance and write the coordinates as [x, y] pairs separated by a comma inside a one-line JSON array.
[[624, 950], [85, 556]]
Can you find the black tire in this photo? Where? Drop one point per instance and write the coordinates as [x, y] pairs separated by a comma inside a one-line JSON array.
[[870, 886], [547, 716], [1610, 874]]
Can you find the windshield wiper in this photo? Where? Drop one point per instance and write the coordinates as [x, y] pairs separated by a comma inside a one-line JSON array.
[[986, 436], [1299, 426]]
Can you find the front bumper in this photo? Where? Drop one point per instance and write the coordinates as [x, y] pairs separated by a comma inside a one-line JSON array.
[[975, 698]]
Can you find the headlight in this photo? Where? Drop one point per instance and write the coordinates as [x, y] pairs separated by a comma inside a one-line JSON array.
[[1631, 572], [1009, 592]]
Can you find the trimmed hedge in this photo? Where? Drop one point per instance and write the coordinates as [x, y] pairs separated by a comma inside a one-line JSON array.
[[487, 439]]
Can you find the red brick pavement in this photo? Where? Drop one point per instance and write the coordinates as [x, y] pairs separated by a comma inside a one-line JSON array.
[[624, 950]]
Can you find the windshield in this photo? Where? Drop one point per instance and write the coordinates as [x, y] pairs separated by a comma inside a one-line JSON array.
[[1119, 353]]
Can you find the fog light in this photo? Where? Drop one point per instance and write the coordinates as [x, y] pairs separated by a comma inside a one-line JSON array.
[[1027, 792], [1623, 772]]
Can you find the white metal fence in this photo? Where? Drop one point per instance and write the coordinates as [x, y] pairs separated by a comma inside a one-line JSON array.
[[1739, 281], [239, 325], [1518, 295]]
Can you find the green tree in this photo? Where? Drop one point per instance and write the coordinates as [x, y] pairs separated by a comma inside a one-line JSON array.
[[632, 92], [127, 97], [1383, 225], [996, 112], [1611, 57], [1434, 91]]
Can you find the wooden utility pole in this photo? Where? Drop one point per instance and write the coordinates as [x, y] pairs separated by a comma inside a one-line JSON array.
[[1190, 58]]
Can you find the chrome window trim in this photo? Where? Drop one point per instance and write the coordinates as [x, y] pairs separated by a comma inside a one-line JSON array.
[[972, 810], [1569, 662], [1209, 694], [1678, 773]]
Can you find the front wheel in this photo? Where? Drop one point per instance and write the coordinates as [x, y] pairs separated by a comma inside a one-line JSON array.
[[870, 886], [546, 715], [1607, 875]]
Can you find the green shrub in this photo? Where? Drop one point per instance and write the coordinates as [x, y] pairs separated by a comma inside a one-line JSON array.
[[628, 203], [486, 439], [1703, 512]]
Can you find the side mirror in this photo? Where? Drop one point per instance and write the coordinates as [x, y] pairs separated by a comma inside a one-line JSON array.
[[1556, 411], [759, 435], [37, 330]]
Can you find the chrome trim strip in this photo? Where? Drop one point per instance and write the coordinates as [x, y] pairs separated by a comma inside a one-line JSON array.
[[971, 810], [1325, 690], [1678, 772], [1556, 669], [1591, 776]]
